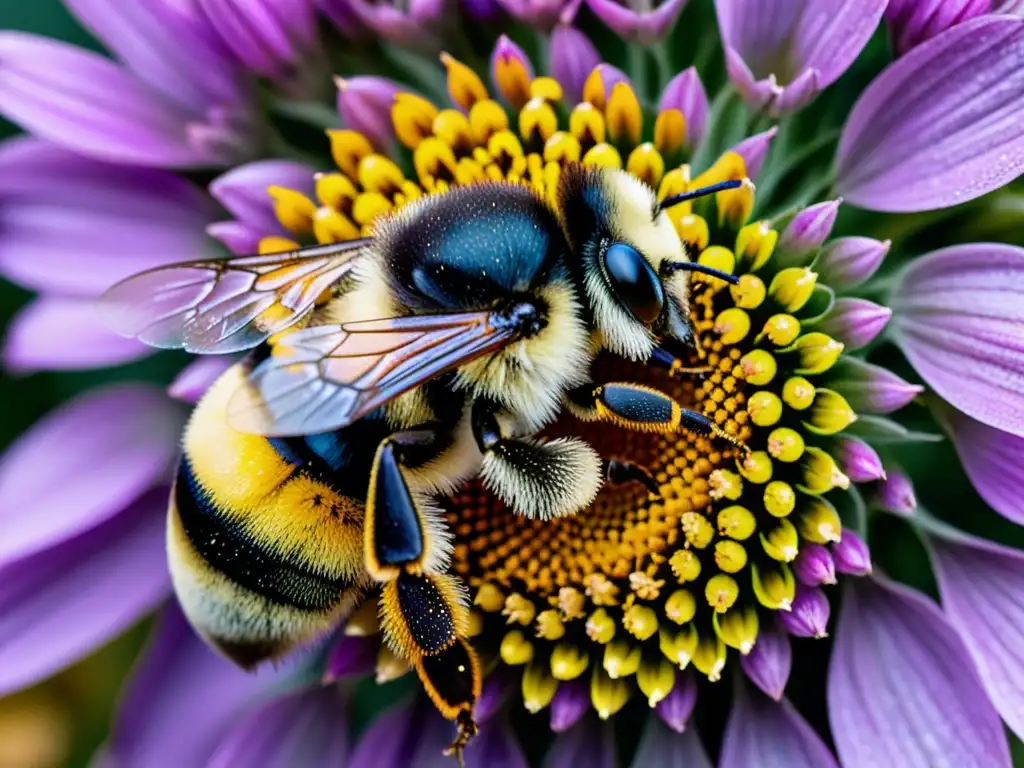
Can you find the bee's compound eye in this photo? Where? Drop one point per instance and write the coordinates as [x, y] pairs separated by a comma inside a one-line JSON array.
[[634, 281]]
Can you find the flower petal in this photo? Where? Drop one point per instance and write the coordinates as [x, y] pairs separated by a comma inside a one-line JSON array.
[[685, 92], [91, 105], [307, 728], [785, 39], [243, 191], [121, 220], [914, 21], [495, 745], [981, 583], [899, 676], [573, 57], [957, 315], [992, 459], [770, 734], [769, 663], [638, 27], [959, 131], [182, 699], [81, 465], [58, 605], [57, 334], [388, 741], [661, 747], [198, 376], [586, 743], [174, 52]]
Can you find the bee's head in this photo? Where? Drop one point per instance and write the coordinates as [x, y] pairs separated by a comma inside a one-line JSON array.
[[629, 261]]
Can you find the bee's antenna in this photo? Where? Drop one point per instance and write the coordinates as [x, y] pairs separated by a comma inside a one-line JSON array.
[[693, 194], [670, 267]]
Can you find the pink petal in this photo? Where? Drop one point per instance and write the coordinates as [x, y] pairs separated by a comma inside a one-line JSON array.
[[899, 677], [91, 105], [958, 315], [121, 220], [992, 459], [198, 376], [182, 699], [58, 605], [55, 334], [981, 583], [958, 132], [661, 747], [770, 734], [307, 728], [81, 465]]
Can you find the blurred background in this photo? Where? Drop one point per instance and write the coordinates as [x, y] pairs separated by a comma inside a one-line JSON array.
[[61, 722]]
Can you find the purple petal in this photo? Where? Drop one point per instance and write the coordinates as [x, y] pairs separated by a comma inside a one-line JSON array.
[[806, 232], [896, 493], [52, 197], [914, 21], [364, 104], [769, 662], [899, 677], [239, 238], [352, 655], [389, 740], [58, 605], [980, 582], [573, 57], [809, 614], [957, 316], [343, 17], [542, 14], [675, 709], [855, 322], [754, 150], [270, 39], [959, 132], [814, 566], [770, 734], [782, 43], [80, 466], [182, 699], [661, 747], [198, 376], [571, 701], [992, 459], [496, 689], [872, 389], [243, 191], [494, 747], [848, 261], [858, 460], [586, 743], [638, 27], [307, 728], [685, 92], [91, 105], [408, 24], [57, 334], [174, 51], [851, 555], [505, 51], [482, 10]]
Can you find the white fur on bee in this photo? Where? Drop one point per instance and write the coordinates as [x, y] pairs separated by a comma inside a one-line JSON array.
[[567, 483], [459, 462], [437, 538], [527, 377]]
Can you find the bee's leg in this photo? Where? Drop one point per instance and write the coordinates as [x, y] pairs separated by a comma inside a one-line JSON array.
[[536, 478], [640, 408], [618, 472], [674, 365], [422, 609]]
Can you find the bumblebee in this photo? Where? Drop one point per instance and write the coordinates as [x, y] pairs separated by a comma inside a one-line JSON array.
[[387, 371]]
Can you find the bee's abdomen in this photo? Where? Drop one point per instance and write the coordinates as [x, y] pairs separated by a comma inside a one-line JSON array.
[[257, 566]]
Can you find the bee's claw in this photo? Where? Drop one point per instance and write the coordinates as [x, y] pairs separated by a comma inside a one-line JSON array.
[[467, 730]]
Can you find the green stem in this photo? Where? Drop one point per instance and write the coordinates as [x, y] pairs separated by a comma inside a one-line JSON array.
[[637, 64], [662, 63], [313, 113], [426, 76]]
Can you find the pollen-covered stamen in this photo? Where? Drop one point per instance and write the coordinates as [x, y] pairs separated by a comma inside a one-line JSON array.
[[735, 521]]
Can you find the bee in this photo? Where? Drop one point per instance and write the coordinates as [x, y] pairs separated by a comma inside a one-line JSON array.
[[399, 366]]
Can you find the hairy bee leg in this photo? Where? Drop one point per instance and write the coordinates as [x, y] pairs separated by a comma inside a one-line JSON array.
[[618, 472], [643, 409], [536, 478]]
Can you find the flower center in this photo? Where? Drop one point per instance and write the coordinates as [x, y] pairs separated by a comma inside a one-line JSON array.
[[638, 585]]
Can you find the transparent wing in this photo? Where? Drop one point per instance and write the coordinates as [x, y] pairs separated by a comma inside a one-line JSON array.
[[328, 376], [220, 306]]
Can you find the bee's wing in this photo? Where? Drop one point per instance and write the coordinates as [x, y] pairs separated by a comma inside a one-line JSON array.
[[328, 376], [220, 306]]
